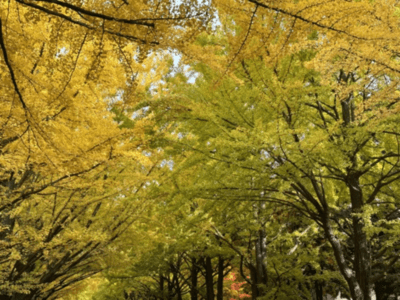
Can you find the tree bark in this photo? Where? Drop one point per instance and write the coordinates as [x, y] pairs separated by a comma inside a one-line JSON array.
[[162, 286], [194, 272], [361, 252], [317, 291], [260, 268], [170, 288], [261, 257], [209, 279], [220, 281], [348, 274], [254, 288]]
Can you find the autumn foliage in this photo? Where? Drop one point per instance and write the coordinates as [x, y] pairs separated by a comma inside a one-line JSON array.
[[219, 150], [65, 164]]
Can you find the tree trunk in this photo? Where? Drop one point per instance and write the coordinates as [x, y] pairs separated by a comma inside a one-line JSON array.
[[194, 272], [162, 286], [316, 286], [359, 280], [361, 252], [170, 288], [209, 279], [220, 282], [317, 291], [348, 274], [261, 257], [178, 288], [260, 276], [254, 288]]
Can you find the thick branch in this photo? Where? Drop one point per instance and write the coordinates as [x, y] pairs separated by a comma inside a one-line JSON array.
[[293, 15], [97, 15], [69, 19], [3, 48]]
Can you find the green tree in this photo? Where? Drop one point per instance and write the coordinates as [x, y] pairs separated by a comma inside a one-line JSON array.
[[311, 106], [336, 164]]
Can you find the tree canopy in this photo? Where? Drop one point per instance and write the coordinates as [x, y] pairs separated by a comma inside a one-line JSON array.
[[273, 176], [65, 67]]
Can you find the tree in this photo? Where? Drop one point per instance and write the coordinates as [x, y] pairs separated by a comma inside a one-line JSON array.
[[64, 66], [317, 126], [170, 254], [300, 111], [56, 80]]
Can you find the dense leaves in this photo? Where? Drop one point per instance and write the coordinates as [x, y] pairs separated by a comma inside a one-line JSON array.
[[273, 174], [69, 176], [305, 118]]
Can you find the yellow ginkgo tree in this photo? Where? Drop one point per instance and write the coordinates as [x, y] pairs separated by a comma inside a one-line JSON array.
[[63, 66]]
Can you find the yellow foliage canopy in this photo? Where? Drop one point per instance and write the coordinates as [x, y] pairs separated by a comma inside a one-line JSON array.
[[63, 66]]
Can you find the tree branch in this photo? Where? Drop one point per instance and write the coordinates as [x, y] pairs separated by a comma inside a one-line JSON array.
[[97, 15], [3, 48]]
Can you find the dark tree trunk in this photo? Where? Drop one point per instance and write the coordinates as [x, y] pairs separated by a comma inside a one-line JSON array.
[[258, 271], [170, 295], [316, 287], [209, 279], [317, 291], [254, 288], [220, 282], [194, 272], [178, 288], [261, 257], [162, 281], [361, 252]]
